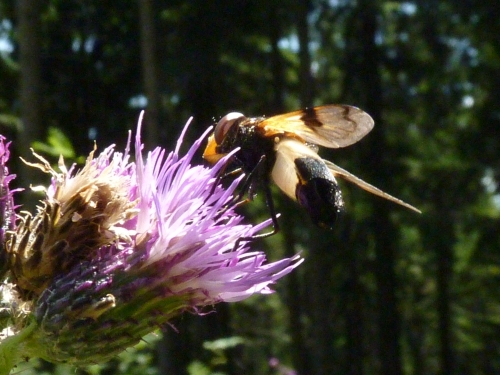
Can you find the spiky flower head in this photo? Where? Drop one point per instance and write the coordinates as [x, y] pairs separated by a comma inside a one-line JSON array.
[[119, 248]]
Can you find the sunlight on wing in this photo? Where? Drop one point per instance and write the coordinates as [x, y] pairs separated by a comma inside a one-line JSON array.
[[331, 126]]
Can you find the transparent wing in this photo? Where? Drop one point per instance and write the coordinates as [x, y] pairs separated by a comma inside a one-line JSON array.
[[337, 171]]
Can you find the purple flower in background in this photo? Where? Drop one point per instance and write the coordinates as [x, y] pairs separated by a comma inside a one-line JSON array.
[[7, 213], [7, 209], [118, 248]]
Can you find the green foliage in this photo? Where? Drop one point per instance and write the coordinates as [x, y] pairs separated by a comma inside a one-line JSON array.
[[58, 144], [218, 350], [10, 122]]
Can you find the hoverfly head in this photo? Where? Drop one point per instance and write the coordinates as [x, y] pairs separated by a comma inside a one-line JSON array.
[[225, 124]]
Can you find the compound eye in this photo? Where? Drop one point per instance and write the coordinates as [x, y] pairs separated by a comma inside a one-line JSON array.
[[225, 124]]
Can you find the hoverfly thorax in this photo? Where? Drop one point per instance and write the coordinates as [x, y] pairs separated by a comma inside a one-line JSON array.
[[235, 130]]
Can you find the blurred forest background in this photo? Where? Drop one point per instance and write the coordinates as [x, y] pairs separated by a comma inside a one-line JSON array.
[[388, 291]]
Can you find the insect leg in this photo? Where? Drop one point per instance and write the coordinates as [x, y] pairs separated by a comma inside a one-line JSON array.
[[274, 218], [272, 211], [246, 188]]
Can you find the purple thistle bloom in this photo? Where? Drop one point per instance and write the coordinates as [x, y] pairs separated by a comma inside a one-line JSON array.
[[119, 248], [178, 220], [7, 209]]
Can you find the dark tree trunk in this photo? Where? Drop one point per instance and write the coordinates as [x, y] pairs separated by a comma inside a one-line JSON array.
[[389, 320], [353, 312], [320, 300], [150, 72], [442, 243], [29, 26], [306, 83], [30, 73], [277, 66], [184, 345], [295, 304], [443, 229], [366, 75]]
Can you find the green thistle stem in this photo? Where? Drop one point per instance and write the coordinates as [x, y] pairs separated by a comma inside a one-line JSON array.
[[14, 348]]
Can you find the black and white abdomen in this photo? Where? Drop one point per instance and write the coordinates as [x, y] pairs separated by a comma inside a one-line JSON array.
[[304, 177], [318, 191]]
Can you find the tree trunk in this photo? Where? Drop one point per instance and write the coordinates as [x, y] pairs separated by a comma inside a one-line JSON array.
[[443, 228], [353, 310], [389, 320], [441, 240], [295, 304], [277, 66], [444, 253], [306, 83], [29, 26], [150, 73]]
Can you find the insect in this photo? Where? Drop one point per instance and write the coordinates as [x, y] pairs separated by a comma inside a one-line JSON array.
[[284, 149]]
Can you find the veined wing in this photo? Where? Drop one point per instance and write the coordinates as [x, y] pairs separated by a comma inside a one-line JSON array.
[[337, 171], [331, 126]]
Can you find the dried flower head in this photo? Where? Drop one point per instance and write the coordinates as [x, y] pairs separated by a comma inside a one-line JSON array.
[[81, 212]]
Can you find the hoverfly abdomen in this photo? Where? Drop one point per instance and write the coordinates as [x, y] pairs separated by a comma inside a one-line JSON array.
[[318, 192]]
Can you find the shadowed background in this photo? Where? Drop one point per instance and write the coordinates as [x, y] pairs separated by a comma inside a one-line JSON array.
[[387, 291]]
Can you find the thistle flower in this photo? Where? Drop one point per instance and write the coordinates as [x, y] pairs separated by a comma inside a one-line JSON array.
[[7, 209], [119, 248], [7, 222]]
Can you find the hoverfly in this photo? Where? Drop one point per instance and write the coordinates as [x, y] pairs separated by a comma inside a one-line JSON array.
[[284, 148]]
